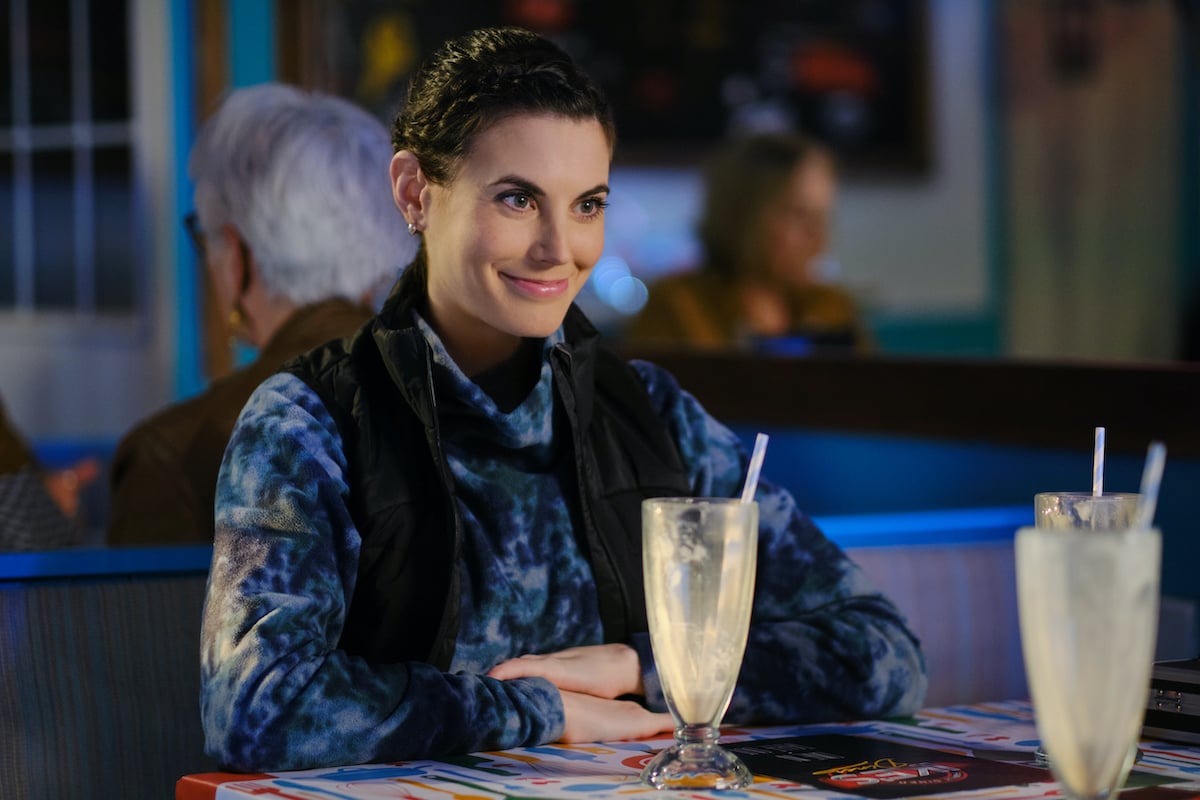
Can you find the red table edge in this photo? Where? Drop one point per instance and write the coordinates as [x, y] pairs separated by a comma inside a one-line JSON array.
[[203, 785]]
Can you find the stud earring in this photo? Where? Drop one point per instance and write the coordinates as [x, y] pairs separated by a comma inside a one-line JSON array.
[[412, 229]]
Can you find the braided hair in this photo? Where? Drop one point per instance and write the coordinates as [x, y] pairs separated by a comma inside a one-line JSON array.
[[477, 79]]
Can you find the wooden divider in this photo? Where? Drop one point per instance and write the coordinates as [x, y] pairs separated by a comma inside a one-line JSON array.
[[1002, 401]]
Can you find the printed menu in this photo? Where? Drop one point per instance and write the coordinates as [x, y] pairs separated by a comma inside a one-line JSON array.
[[876, 768]]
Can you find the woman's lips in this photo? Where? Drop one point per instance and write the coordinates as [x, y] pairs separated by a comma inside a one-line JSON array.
[[536, 288]]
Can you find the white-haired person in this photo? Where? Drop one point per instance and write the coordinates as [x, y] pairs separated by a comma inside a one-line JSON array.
[[295, 223]]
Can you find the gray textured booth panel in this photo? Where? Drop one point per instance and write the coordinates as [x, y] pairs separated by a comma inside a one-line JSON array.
[[960, 601], [99, 685]]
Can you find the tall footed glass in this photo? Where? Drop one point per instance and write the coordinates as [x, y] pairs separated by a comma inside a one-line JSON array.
[[1088, 606], [698, 558], [1083, 511]]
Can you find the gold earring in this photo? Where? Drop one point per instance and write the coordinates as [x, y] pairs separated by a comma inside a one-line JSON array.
[[235, 319]]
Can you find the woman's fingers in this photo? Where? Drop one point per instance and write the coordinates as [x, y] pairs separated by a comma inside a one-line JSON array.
[[608, 670], [596, 719]]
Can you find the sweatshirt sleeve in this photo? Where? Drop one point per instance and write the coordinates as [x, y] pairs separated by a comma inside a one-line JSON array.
[[823, 644], [276, 692]]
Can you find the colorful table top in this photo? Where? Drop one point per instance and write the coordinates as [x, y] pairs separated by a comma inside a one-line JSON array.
[[1000, 733]]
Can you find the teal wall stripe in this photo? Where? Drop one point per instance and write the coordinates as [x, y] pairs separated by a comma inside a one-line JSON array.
[[189, 376], [957, 335], [251, 41], [251, 61], [995, 148], [251, 34], [979, 333], [1189, 165]]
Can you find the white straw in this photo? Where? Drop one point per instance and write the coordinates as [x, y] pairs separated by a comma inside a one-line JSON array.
[[1098, 464], [756, 462], [1156, 456]]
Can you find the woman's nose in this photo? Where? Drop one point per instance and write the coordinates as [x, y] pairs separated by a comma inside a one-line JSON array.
[[551, 247]]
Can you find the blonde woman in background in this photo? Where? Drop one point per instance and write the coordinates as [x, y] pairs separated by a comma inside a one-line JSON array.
[[769, 198]]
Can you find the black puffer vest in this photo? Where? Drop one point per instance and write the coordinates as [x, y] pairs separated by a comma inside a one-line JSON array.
[[378, 386]]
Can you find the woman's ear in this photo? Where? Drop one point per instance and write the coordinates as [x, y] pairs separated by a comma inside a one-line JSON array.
[[238, 262], [408, 188]]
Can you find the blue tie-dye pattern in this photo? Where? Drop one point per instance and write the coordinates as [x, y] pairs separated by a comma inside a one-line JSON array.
[[526, 586], [277, 693]]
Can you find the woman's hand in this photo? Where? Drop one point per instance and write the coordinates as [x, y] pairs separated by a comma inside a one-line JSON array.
[[607, 670], [589, 679], [595, 719]]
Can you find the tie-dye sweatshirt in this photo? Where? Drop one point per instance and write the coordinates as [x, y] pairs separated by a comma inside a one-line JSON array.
[[277, 693]]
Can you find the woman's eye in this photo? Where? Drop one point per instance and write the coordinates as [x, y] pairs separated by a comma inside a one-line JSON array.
[[518, 201], [592, 206]]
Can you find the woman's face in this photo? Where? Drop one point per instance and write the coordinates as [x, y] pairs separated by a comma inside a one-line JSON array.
[[797, 224], [512, 238]]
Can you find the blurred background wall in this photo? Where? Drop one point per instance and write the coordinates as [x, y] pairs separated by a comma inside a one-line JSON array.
[[1033, 188]]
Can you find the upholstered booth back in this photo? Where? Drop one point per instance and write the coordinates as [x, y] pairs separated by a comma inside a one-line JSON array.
[[99, 684]]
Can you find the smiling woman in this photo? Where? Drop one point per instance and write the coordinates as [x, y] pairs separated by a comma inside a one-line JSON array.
[[428, 535], [514, 237]]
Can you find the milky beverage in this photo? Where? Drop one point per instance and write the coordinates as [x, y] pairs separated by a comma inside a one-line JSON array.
[[699, 564], [1088, 603]]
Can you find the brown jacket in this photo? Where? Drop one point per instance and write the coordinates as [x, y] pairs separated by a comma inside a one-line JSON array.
[[14, 451], [697, 309], [164, 472]]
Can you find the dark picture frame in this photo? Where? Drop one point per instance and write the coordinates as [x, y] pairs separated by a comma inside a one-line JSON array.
[[681, 74]]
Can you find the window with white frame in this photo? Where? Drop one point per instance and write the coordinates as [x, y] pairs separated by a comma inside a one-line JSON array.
[[67, 206]]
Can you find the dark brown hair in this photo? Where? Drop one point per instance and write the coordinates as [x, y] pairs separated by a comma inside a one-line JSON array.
[[472, 82]]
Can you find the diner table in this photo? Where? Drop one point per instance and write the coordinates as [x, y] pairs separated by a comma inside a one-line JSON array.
[[983, 750]]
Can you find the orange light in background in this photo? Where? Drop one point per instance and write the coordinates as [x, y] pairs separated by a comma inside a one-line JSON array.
[[389, 51], [542, 16], [825, 67], [656, 90]]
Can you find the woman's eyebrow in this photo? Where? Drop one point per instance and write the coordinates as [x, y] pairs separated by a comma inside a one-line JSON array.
[[600, 188], [527, 186], [531, 188]]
